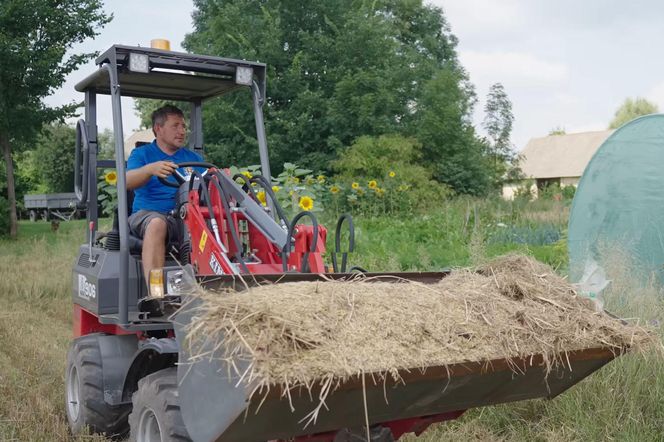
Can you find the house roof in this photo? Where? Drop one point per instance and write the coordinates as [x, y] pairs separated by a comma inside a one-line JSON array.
[[144, 135], [557, 156]]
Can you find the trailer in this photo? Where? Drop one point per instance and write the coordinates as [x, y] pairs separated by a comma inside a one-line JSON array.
[[52, 205]]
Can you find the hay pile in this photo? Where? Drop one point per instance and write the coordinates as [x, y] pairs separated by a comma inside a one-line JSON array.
[[513, 307]]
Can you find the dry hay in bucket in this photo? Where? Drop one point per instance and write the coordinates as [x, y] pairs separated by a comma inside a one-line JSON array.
[[295, 334]]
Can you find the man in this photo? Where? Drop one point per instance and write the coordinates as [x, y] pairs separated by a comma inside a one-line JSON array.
[[153, 201]]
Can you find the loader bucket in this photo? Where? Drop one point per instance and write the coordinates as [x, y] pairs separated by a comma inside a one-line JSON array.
[[217, 407]]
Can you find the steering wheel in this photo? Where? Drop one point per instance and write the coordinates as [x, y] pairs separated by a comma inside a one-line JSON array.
[[179, 177]]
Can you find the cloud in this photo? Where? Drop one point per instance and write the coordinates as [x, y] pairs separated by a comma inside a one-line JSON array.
[[502, 66]]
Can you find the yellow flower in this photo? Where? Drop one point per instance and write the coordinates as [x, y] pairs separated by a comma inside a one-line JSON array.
[[311, 180], [306, 203], [111, 177], [355, 186], [261, 197], [379, 191], [392, 174], [296, 180], [334, 189], [321, 179], [291, 193], [247, 174], [276, 189], [373, 184]]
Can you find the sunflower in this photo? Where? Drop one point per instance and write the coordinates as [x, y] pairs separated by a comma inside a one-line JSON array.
[[296, 180], [373, 184], [334, 189], [276, 189], [321, 179], [306, 203], [311, 180], [392, 174], [355, 186], [111, 178], [261, 197]]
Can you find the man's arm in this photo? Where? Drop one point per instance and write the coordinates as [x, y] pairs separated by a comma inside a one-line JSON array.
[[139, 177]]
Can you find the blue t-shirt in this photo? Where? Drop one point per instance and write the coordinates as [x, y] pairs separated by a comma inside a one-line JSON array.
[[153, 195]]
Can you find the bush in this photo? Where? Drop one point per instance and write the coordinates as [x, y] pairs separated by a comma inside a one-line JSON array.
[[381, 175]]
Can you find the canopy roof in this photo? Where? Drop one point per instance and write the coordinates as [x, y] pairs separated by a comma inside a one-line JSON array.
[[173, 75]]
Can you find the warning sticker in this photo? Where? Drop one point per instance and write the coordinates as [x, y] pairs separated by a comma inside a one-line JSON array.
[[215, 266], [201, 243]]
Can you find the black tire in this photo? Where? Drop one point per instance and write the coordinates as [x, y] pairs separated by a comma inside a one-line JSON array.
[[84, 393], [45, 215], [33, 216], [156, 409]]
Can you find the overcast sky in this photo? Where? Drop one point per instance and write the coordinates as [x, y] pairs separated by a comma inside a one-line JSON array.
[[563, 63]]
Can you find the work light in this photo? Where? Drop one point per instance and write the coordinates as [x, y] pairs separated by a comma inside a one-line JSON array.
[[244, 75], [139, 62]]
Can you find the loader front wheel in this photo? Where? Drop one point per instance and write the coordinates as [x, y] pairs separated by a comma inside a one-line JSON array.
[[156, 414], [84, 392]]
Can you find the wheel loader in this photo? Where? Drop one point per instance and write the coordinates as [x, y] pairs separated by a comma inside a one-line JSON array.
[[128, 372]]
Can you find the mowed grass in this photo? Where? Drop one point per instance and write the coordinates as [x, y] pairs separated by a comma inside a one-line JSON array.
[[623, 401]]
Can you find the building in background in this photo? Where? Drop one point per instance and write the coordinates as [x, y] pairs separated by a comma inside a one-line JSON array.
[[140, 136], [556, 159]]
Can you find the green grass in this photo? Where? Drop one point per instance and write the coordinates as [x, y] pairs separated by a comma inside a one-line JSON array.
[[623, 401]]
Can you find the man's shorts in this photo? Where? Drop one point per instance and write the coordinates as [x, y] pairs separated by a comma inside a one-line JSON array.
[[139, 221]]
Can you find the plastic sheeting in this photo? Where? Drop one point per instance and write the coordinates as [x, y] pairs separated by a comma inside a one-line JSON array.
[[619, 203]]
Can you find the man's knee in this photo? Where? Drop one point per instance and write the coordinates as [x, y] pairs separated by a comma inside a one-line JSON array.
[[156, 228]]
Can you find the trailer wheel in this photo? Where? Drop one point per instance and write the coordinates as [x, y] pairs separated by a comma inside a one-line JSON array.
[[84, 392], [45, 215], [33, 216], [156, 413]]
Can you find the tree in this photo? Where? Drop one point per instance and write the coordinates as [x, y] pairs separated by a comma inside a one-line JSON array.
[[498, 121], [55, 157], [35, 38], [337, 70], [558, 130], [631, 109]]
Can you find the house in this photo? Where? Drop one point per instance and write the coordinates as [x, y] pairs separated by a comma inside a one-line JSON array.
[[557, 159], [140, 136]]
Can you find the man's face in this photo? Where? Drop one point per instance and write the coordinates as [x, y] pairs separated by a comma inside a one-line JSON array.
[[172, 134]]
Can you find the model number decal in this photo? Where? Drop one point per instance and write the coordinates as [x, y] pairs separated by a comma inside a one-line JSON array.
[[215, 266], [86, 290]]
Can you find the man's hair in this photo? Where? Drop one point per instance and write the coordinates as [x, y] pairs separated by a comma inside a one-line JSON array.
[[160, 115]]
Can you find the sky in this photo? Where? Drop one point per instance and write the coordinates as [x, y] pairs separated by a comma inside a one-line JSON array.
[[563, 63]]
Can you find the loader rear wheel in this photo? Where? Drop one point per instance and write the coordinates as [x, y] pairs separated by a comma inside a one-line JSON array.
[[156, 414], [84, 392]]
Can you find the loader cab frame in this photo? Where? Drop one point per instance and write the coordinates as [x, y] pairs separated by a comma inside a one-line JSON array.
[[127, 71]]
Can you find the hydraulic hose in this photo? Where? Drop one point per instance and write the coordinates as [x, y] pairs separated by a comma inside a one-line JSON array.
[[231, 224], [337, 243], [289, 241], [267, 187]]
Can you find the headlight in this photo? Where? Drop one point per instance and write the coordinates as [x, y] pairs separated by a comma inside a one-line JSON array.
[[139, 62], [244, 75]]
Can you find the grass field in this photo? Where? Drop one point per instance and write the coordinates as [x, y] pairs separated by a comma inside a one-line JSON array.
[[624, 401]]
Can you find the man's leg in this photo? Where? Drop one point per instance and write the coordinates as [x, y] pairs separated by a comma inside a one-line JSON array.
[[154, 245]]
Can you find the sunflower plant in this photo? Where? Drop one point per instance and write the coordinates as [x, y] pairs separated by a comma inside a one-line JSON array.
[[108, 192]]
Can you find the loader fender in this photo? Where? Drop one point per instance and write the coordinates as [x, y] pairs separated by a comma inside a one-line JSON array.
[[117, 353], [152, 355]]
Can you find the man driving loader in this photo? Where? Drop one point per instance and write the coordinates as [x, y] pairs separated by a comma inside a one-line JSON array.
[[150, 217]]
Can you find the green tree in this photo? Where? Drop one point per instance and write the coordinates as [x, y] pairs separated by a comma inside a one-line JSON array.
[[498, 121], [36, 37], [337, 70], [630, 109], [55, 157]]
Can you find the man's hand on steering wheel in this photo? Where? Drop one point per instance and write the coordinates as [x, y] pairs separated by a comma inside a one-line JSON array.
[[162, 169], [177, 175]]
